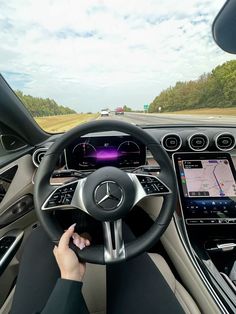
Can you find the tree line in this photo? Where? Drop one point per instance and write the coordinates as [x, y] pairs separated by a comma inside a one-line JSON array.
[[127, 109], [39, 107], [210, 90]]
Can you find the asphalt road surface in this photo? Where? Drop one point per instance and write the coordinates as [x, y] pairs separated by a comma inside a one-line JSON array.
[[168, 119]]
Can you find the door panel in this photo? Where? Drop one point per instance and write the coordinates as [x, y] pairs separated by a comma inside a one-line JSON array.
[[17, 218], [21, 183]]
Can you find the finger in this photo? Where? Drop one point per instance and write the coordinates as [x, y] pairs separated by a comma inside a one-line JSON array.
[[81, 246], [86, 235], [87, 238], [80, 243], [65, 238], [75, 236], [78, 240]]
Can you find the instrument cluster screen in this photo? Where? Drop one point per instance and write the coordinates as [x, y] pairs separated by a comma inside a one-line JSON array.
[[89, 153]]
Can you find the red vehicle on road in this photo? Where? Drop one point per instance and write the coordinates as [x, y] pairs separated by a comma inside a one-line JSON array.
[[119, 110]]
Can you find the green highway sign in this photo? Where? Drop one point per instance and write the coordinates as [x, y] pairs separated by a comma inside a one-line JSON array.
[[145, 107]]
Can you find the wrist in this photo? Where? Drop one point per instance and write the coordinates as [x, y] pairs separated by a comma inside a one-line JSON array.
[[71, 276]]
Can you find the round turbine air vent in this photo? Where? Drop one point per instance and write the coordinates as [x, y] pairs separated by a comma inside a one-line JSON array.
[[38, 156], [198, 142], [171, 142], [225, 141]]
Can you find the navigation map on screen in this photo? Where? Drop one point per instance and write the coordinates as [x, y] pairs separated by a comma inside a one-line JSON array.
[[207, 178]]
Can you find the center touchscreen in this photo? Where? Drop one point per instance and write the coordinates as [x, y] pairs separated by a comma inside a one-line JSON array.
[[210, 177], [207, 187]]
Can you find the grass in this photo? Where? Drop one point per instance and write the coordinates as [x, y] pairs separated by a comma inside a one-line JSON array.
[[208, 111], [62, 123]]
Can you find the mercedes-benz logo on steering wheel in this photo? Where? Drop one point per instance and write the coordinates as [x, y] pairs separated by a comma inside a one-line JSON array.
[[108, 195]]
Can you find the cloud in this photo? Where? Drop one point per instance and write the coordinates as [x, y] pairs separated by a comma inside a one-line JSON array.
[[20, 79], [90, 54]]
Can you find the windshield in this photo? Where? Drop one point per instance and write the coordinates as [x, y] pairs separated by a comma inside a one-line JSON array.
[[146, 61]]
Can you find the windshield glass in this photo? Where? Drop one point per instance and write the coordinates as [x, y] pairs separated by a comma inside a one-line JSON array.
[[146, 61]]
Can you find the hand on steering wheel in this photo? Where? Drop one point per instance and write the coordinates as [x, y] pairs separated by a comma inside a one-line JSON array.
[[70, 266]]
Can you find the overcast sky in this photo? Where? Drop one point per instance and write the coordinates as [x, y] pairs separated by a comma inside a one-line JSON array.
[[90, 54]]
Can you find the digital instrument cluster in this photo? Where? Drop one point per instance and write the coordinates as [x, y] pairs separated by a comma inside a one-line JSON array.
[[89, 153]]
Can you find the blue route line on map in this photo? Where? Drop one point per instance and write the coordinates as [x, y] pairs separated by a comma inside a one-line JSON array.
[[221, 191]]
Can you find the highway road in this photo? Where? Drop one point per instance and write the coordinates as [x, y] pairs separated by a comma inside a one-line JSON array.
[[168, 119]]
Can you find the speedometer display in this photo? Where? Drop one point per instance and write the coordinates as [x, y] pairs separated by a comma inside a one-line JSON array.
[[129, 153], [85, 154], [94, 152]]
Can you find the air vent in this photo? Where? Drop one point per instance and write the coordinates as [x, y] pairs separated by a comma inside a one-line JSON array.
[[38, 156], [198, 142], [171, 142], [225, 141]]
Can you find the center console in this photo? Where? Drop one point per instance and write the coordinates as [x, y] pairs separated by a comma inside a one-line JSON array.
[[207, 197]]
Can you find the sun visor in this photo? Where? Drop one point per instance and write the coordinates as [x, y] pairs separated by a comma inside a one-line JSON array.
[[224, 27]]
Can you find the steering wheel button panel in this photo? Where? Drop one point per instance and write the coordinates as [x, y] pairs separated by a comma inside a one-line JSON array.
[[61, 196], [152, 185]]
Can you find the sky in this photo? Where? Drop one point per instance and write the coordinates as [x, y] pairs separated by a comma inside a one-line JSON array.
[[91, 54]]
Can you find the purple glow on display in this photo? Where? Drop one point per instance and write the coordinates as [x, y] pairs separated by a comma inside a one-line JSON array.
[[105, 154]]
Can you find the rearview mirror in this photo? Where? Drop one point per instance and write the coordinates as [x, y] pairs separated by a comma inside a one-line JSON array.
[[224, 27]]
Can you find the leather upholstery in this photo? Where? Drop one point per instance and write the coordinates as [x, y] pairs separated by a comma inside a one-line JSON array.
[[184, 298]]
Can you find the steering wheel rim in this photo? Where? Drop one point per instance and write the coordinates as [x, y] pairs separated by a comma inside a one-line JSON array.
[[42, 190]]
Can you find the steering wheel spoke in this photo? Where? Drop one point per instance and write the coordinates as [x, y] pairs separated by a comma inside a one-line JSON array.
[[148, 185], [65, 197], [114, 248]]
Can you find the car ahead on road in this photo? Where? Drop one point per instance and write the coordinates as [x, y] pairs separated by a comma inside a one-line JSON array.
[[173, 185], [104, 113], [119, 111]]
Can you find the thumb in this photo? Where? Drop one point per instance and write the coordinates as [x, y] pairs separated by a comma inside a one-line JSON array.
[[65, 238]]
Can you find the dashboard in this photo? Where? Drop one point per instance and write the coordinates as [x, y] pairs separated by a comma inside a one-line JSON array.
[[121, 150], [195, 151]]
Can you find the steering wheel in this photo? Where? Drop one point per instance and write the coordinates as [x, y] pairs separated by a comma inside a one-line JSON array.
[[107, 194]]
